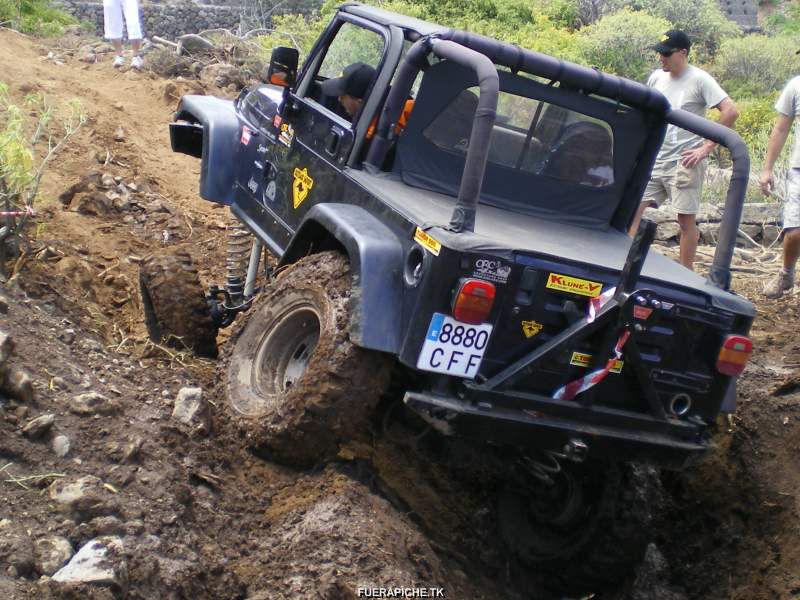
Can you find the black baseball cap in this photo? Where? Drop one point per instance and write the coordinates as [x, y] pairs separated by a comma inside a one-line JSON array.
[[672, 40], [354, 81]]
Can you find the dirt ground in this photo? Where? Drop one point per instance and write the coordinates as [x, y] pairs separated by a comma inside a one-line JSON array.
[[199, 515]]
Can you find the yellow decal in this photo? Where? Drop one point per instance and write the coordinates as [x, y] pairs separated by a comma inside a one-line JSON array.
[[664, 38], [531, 328], [583, 287], [581, 359], [301, 185], [427, 242]]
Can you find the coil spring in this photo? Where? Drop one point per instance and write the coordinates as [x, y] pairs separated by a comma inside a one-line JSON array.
[[541, 470], [237, 257]]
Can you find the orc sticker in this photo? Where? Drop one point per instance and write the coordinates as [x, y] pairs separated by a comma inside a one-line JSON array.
[[574, 285], [287, 134], [581, 359], [531, 328], [301, 185], [491, 269], [427, 242]]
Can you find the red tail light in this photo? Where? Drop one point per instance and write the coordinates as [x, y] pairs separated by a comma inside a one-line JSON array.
[[734, 355], [473, 301]]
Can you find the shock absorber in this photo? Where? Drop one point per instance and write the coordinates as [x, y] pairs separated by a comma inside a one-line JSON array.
[[237, 256]]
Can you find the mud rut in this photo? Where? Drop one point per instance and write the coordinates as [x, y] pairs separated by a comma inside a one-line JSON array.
[[201, 516]]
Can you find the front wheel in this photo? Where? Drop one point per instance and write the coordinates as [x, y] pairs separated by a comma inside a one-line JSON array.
[[175, 309], [586, 530], [294, 377]]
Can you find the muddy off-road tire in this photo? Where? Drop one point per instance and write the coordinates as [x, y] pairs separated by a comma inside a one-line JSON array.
[[294, 379], [587, 535], [175, 309]]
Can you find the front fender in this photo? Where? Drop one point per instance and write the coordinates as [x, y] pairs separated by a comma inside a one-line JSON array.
[[376, 261], [220, 133]]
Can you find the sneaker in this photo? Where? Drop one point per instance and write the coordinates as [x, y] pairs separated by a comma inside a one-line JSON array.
[[119, 61], [137, 63], [783, 282]]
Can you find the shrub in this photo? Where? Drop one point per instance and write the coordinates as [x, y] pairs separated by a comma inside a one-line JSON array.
[[755, 65], [35, 16], [702, 20], [619, 43]]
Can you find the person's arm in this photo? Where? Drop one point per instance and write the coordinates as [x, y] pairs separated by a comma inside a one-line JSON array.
[[776, 141], [728, 115]]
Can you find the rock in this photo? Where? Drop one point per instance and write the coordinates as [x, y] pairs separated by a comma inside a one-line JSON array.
[[61, 445], [156, 206], [3, 305], [665, 214], [108, 525], [16, 548], [107, 181], [119, 106], [18, 385], [92, 403], [192, 44], [191, 409], [6, 347], [37, 427], [67, 336], [709, 233], [119, 134], [99, 562], [761, 212], [95, 203], [131, 451], [668, 230], [52, 553], [752, 230], [83, 498], [770, 234], [651, 579]]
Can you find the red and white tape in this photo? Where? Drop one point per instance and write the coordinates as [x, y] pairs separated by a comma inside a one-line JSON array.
[[573, 388], [18, 213]]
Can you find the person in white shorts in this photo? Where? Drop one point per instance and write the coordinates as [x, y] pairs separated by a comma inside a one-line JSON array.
[[788, 108], [113, 12], [680, 165]]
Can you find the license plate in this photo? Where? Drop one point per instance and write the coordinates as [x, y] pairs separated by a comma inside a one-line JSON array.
[[453, 348]]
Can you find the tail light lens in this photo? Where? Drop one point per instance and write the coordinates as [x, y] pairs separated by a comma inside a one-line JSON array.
[[473, 301], [734, 355]]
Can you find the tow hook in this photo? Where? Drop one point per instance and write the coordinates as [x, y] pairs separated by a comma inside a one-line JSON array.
[[576, 450]]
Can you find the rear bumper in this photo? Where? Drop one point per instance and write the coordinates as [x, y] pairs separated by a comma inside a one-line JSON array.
[[550, 424]]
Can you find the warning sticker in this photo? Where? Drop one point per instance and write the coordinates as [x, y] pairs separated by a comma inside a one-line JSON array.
[[531, 328], [301, 185], [581, 359], [574, 285], [427, 242]]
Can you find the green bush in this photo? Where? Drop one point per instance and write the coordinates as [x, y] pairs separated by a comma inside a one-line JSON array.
[[786, 22], [35, 16], [619, 43], [702, 20], [755, 65]]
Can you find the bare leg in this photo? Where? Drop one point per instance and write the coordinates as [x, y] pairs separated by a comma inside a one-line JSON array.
[[690, 235], [638, 217], [791, 248], [136, 45], [117, 46]]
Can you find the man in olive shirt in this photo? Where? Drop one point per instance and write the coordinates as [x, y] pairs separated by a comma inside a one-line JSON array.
[[788, 107], [680, 165]]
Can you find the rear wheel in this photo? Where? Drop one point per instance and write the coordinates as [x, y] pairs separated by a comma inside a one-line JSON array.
[[587, 530], [175, 309], [293, 374]]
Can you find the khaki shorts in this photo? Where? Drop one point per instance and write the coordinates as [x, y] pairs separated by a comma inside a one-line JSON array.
[[682, 185], [791, 206]]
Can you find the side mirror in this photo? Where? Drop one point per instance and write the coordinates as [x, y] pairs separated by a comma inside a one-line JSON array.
[[283, 66]]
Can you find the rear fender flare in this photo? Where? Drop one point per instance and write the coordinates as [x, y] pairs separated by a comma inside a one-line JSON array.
[[220, 139], [376, 261]]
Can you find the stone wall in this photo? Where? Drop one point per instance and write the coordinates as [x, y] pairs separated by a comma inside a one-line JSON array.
[[172, 19], [743, 12]]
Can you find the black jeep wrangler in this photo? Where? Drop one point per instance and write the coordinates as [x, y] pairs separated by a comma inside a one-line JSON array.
[[483, 249]]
